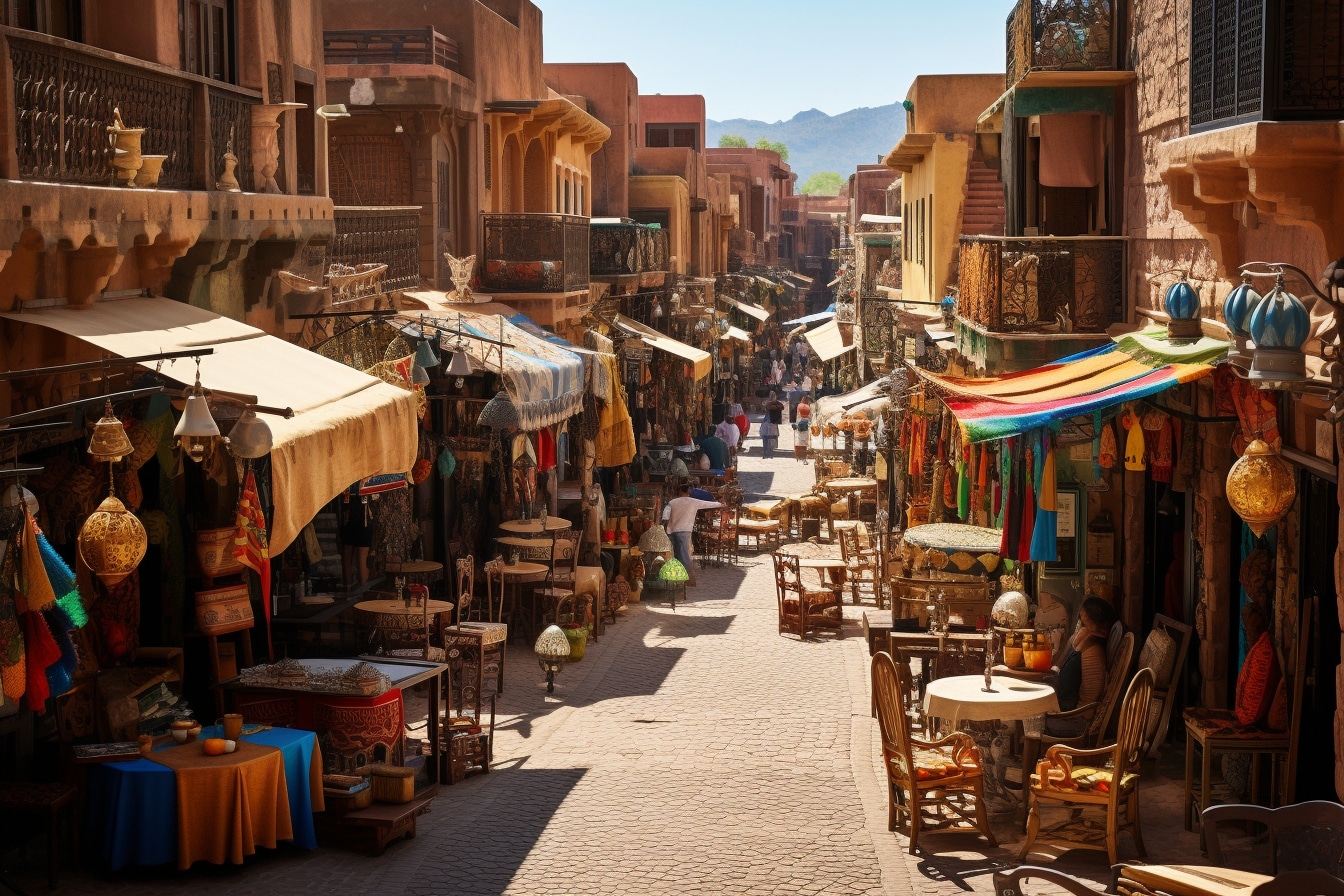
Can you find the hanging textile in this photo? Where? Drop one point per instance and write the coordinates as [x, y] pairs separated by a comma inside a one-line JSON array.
[[250, 546], [13, 665], [1044, 545], [1161, 457], [1028, 530], [545, 450], [1070, 153]]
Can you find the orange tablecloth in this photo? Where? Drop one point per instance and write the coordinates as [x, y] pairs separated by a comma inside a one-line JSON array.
[[228, 805]]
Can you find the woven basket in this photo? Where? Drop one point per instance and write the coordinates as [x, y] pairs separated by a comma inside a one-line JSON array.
[[392, 783], [214, 551]]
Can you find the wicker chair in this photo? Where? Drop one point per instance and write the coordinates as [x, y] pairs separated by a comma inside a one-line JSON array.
[[931, 785], [803, 608], [1101, 711], [1111, 783]]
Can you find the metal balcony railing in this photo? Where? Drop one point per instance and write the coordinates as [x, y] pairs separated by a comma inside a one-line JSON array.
[[1252, 60], [1042, 284], [64, 96], [616, 249], [532, 252], [388, 46], [1060, 35], [387, 235]]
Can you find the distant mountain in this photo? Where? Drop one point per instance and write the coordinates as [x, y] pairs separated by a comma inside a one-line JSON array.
[[821, 142]]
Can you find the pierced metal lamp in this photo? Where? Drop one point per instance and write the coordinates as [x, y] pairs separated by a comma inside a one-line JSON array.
[[1261, 486], [500, 413], [1182, 305], [424, 355], [655, 540], [251, 437], [109, 443], [552, 649]]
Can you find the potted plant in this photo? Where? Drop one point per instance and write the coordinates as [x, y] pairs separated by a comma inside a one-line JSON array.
[[578, 640]]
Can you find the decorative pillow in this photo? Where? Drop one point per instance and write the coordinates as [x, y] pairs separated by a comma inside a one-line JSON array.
[[1256, 683], [1159, 655], [1277, 720]]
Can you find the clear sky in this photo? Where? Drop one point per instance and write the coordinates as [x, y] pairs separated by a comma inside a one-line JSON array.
[[769, 59]]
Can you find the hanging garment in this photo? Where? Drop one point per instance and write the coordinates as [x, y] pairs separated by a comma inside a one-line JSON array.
[[1043, 542], [63, 583], [1012, 498], [35, 591], [1070, 150], [1028, 529], [1161, 457], [545, 450], [13, 665], [251, 547], [1110, 450]]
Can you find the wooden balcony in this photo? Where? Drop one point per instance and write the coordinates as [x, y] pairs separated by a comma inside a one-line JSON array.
[[1042, 284], [535, 253], [1265, 61], [1061, 36], [621, 249], [398, 46], [64, 94], [387, 235]]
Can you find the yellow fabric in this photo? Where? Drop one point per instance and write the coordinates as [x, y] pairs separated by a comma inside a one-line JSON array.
[[1032, 382], [228, 805], [615, 433], [1049, 499], [346, 425], [702, 361]]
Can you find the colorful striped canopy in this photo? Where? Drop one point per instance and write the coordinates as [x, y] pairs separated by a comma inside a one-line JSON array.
[[1002, 406]]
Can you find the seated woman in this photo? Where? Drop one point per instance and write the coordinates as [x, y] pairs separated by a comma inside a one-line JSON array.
[[1082, 674]]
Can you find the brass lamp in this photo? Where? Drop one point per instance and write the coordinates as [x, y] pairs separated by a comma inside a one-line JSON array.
[[1261, 487], [552, 649], [109, 443], [112, 540]]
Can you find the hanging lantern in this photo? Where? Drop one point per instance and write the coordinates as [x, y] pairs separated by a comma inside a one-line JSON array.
[[1134, 447], [500, 413], [112, 540], [655, 540], [1278, 325], [109, 443], [197, 427], [250, 437], [1237, 308], [1261, 487], [424, 355], [1182, 305], [459, 366], [419, 375], [673, 571]]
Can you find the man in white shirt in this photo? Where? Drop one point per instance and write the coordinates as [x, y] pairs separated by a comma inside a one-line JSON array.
[[679, 518], [807, 386], [728, 431]]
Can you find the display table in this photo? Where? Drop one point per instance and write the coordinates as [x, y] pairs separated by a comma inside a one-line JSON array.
[[850, 488], [951, 547], [962, 698], [182, 806]]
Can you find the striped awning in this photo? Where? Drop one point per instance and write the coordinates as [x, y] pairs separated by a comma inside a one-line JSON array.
[[701, 361], [1003, 406]]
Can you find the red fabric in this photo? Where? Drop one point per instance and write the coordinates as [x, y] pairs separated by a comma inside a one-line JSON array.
[[43, 652], [1256, 682], [743, 424], [251, 547], [545, 450], [1162, 455]]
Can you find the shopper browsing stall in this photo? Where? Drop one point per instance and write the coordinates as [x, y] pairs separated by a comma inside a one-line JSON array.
[[679, 518]]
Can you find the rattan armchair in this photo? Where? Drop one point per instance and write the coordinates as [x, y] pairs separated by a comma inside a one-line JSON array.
[[931, 784], [1105, 778]]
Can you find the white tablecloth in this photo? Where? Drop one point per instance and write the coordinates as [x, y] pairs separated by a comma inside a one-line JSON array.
[[962, 698]]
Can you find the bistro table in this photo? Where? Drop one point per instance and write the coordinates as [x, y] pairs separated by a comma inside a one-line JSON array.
[[850, 488], [179, 805], [515, 574], [415, 569], [536, 527]]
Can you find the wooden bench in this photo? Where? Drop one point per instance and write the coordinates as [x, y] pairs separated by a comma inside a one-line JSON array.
[[371, 830], [758, 530]]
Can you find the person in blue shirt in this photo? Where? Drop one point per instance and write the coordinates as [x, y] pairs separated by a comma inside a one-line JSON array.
[[700, 494]]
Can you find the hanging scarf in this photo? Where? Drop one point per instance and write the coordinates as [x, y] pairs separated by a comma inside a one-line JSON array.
[[1161, 458], [1043, 541], [61, 674], [251, 546], [42, 652], [63, 583], [1012, 498], [35, 589], [1027, 531]]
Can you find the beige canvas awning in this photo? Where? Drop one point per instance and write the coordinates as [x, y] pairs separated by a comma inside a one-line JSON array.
[[827, 341], [701, 360], [754, 311], [346, 426], [735, 333]]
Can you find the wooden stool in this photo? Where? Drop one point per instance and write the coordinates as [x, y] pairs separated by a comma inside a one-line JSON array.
[[44, 801]]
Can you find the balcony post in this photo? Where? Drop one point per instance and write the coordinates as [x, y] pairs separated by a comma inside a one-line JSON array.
[[202, 152]]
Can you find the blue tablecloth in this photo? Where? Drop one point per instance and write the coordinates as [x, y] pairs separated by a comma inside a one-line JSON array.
[[132, 813]]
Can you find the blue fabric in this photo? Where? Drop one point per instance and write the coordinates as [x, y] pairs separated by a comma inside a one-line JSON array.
[[701, 494], [681, 548], [135, 803]]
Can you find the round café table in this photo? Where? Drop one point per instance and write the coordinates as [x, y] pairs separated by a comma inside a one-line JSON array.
[[962, 698], [851, 487], [952, 547], [536, 527], [423, 571], [530, 544], [391, 614]]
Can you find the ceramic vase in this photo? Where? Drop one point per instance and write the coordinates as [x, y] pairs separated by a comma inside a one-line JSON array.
[[150, 170], [266, 143]]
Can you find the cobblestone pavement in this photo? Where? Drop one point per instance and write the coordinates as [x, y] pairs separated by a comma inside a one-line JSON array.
[[692, 751]]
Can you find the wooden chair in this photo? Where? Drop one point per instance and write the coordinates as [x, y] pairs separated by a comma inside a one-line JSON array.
[[931, 784], [1302, 836], [803, 608], [860, 566], [485, 642], [1101, 711], [409, 635], [1301, 883], [560, 583], [1164, 651], [1009, 883], [1110, 781], [1213, 731]]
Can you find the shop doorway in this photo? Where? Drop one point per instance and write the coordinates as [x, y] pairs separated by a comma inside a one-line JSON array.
[[1319, 535]]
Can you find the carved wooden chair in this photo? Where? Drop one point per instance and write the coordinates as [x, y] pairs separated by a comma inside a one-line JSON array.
[[1101, 712], [931, 784], [1009, 883], [804, 608], [484, 642], [409, 635], [1302, 836], [1106, 778], [860, 566]]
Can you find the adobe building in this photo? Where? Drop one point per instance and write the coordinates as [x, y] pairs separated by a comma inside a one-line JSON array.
[[761, 182]]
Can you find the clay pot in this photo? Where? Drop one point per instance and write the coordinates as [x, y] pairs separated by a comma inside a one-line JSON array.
[[150, 170]]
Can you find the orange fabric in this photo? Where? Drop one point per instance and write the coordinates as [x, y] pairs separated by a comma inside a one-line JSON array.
[[228, 805], [1256, 682], [36, 593]]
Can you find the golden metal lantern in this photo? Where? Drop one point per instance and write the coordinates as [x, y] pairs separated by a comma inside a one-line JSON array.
[[110, 443], [112, 541], [1261, 487]]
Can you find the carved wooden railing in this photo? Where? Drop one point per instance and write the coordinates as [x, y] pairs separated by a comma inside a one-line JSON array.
[[533, 252], [64, 94], [387, 235], [627, 249], [405, 46], [1042, 284], [1060, 35]]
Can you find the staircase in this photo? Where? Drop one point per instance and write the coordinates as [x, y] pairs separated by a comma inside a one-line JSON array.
[[983, 211]]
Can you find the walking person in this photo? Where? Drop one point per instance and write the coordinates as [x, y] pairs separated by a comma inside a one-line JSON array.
[[743, 424], [679, 517], [774, 417], [802, 436]]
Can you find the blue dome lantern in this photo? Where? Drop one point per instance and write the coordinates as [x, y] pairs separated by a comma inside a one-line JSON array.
[[1279, 325], [1183, 308], [1237, 308]]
